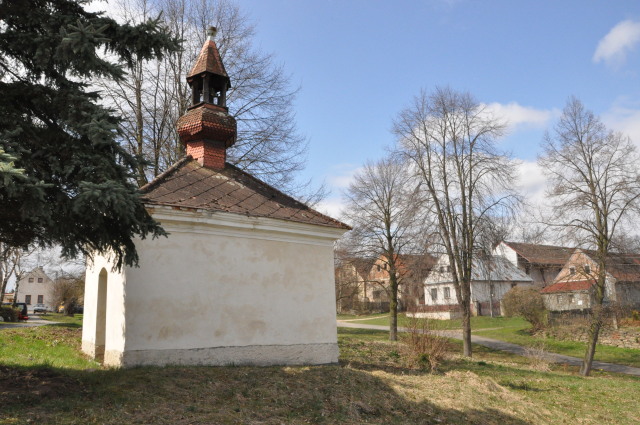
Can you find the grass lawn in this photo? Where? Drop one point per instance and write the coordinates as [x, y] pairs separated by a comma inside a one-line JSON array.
[[605, 353], [480, 322], [44, 380], [76, 319]]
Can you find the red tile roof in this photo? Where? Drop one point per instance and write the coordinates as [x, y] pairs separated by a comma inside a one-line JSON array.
[[208, 60], [188, 184], [542, 254], [574, 285]]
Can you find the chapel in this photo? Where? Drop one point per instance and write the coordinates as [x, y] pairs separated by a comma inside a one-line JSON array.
[[245, 276]]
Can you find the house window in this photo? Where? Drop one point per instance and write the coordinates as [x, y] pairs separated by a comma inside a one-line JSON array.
[[40, 299], [434, 294], [30, 280], [39, 280], [572, 270], [441, 269], [587, 269], [447, 293], [527, 269], [448, 269], [570, 298], [378, 267], [376, 295], [27, 299]]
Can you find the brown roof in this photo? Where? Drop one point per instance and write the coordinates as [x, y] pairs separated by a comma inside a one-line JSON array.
[[188, 184], [208, 60], [542, 254], [623, 267], [574, 285]]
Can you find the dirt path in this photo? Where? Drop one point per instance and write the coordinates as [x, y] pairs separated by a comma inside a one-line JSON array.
[[511, 348]]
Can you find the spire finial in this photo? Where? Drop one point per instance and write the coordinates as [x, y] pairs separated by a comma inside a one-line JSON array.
[[211, 32]]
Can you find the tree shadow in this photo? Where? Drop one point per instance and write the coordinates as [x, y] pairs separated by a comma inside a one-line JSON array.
[[265, 395]]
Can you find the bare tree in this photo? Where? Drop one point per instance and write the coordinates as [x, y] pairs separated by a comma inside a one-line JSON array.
[[9, 259], [261, 98], [595, 189], [451, 141], [384, 205], [68, 291]]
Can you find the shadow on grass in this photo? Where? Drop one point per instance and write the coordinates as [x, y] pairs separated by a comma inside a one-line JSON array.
[[322, 394]]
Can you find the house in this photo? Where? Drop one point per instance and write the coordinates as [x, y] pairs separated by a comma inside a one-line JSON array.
[[491, 278], [412, 269], [35, 287], [246, 274], [350, 276], [574, 286], [541, 262]]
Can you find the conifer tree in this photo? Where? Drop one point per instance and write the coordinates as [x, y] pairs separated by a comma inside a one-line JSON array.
[[65, 179]]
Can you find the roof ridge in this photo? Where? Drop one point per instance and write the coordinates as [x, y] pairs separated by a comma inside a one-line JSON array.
[[153, 183]]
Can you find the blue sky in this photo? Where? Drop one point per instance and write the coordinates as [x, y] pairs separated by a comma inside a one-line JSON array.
[[359, 62]]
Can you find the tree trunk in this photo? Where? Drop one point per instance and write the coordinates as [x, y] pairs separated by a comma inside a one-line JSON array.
[[393, 307], [594, 332], [466, 329]]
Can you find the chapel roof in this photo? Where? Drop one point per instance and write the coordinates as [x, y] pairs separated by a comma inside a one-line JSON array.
[[187, 184], [208, 61]]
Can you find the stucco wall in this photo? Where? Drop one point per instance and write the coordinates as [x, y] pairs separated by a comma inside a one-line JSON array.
[[228, 289], [35, 288], [114, 320]]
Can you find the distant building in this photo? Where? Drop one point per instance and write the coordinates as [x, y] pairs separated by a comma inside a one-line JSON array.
[[490, 280], [574, 287], [412, 269], [541, 262], [35, 287]]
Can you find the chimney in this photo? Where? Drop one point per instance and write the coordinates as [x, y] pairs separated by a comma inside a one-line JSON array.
[[207, 129]]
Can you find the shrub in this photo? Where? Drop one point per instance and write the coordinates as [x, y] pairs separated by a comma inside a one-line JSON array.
[[525, 302], [426, 348], [9, 314]]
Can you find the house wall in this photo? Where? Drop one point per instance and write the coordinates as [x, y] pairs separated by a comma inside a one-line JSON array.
[[113, 325], [628, 293], [228, 289], [566, 301], [35, 288]]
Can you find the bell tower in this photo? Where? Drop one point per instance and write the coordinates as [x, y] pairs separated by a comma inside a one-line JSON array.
[[207, 129]]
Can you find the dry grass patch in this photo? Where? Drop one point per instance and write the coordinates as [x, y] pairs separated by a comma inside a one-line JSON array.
[[374, 383]]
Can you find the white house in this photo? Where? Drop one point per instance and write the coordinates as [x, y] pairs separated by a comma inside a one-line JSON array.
[[35, 287], [491, 278], [246, 275], [541, 262]]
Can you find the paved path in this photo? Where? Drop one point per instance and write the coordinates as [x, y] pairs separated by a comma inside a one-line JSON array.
[[32, 322], [511, 348]]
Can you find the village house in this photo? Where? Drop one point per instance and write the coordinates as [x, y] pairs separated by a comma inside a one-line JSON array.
[[491, 278], [412, 269], [350, 276], [574, 286], [246, 275], [541, 262], [35, 287]]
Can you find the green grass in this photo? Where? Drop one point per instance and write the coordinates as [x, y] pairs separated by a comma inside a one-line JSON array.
[[480, 322], [375, 383], [51, 345], [520, 335], [76, 319]]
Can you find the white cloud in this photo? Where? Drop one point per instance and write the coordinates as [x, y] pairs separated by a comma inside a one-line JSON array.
[[520, 116], [625, 119], [614, 46], [332, 207], [342, 175], [532, 185]]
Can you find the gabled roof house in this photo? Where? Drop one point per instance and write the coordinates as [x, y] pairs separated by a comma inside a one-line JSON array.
[[541, 262], [246, 274]]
